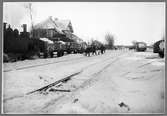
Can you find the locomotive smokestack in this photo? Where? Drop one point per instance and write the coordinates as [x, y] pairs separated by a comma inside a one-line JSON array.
[[4, 26], [24, 27]]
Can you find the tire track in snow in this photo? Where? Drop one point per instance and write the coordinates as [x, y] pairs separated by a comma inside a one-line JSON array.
[[73, 74], [85, 84]]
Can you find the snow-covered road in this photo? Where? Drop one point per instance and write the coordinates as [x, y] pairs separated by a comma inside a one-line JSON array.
[[115, 82]]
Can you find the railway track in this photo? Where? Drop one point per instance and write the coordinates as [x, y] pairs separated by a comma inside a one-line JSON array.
[[43, 64], [33, 66]]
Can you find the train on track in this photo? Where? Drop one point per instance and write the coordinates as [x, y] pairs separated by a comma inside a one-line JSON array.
[[20, 46]]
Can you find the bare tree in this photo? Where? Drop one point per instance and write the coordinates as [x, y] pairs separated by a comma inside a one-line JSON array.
[[110, 40]]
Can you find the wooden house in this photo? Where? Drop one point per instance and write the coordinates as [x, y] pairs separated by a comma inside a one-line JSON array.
[[54, 29]]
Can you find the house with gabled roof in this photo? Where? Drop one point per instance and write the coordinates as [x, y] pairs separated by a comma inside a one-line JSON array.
[[53, 29], [46, 28], [56, 30], [64, 25]]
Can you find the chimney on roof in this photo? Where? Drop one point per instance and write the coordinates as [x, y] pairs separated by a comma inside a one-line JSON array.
[[24, 27], [9, 26], [4, 26]]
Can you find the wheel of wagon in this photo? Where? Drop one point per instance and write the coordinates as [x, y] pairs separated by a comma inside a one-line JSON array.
[[45, 55], [62, 53], [161, 54], [38, 54], [58, 54], [75, 51], [51, 54], [5, 57], [68, 51]]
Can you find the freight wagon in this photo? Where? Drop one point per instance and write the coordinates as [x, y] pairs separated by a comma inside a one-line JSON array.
[[73, 47], [57, 47]]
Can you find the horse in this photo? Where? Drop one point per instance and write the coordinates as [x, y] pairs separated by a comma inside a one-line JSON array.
[[88, 50], [93, 50], [102, 48]]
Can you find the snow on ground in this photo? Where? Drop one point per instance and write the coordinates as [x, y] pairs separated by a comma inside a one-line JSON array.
[[19, 82], [143, 93], [28, 63], [126, 82]]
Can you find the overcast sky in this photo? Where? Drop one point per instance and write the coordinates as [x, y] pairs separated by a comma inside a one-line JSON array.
[[140, 21]]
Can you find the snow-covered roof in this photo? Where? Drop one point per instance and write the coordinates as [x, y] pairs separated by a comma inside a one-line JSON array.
[[46, 40], [62, 42], [59, 25], [64, 25], [48, 24]]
